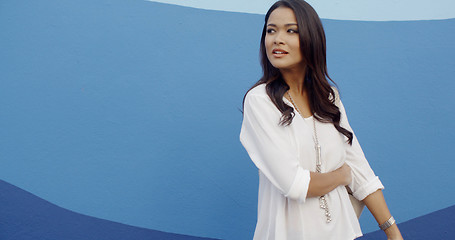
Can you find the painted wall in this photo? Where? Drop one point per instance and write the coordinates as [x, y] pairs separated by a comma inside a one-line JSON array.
[[128, 111], [385, 10]]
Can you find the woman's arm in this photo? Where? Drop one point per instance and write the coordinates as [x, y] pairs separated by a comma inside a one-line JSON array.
[[365, 183], [378, 207], [323, 183], [268, 147]]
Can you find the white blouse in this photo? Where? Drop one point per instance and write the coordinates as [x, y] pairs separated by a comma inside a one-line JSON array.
[[285, 155]]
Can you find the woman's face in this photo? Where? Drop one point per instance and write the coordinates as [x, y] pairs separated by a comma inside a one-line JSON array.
[[282, 42]]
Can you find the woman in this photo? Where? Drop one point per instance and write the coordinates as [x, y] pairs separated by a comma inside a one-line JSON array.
[[296, 132]]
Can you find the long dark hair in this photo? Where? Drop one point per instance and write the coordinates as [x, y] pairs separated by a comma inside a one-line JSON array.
[[313, 48]]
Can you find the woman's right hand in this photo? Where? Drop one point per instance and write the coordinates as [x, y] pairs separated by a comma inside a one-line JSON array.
[[323, 183], [345, 174]]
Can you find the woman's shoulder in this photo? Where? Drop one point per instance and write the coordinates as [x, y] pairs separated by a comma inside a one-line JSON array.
[[257, 95], [258, 91], [337, 95], [258, 100]]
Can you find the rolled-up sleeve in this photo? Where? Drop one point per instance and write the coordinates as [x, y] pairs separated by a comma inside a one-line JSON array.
[[364, 181], [267, 144]]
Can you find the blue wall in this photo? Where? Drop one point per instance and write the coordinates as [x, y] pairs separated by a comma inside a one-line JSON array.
[[129, 110]]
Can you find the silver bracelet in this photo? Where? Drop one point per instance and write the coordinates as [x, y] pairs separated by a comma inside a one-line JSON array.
[[387, 224]]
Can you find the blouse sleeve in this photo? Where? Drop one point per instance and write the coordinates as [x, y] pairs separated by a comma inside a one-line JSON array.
[[266, 142], [364, 181]]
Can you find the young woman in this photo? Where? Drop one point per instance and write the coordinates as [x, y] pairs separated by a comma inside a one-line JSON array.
[[296, 132]]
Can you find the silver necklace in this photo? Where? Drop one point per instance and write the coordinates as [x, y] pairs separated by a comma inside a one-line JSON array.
[[322, 199]]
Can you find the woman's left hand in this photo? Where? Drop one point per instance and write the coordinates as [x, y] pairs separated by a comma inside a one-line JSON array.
[[393, 233]]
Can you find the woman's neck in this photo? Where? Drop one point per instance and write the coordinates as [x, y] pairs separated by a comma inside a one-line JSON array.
[[295, 79]]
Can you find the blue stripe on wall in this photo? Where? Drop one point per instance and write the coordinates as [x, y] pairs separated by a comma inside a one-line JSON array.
[[28, 217], [436, 225], [129, 110]]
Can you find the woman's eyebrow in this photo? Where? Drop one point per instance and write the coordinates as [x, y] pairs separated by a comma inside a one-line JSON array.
[[286, 25]]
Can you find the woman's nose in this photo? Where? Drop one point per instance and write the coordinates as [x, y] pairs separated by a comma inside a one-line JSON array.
[[278, 38]]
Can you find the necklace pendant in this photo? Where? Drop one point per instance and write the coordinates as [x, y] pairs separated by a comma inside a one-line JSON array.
[[318, 151], [318, 158]]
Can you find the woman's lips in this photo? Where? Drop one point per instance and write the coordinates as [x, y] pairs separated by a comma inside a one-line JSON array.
[[279, 52]]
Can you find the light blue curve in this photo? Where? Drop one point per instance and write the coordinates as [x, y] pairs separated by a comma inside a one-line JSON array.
[[385, 10]]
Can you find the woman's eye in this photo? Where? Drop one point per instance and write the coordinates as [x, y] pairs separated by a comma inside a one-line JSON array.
[[270, 30], [293, 31]]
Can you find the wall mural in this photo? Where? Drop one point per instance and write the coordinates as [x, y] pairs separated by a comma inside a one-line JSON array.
[[120, 119]]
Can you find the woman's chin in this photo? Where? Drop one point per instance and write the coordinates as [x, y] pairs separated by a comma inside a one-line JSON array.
[[285, 67]]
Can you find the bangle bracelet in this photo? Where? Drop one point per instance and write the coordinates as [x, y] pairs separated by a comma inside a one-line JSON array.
[[387, 224]]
